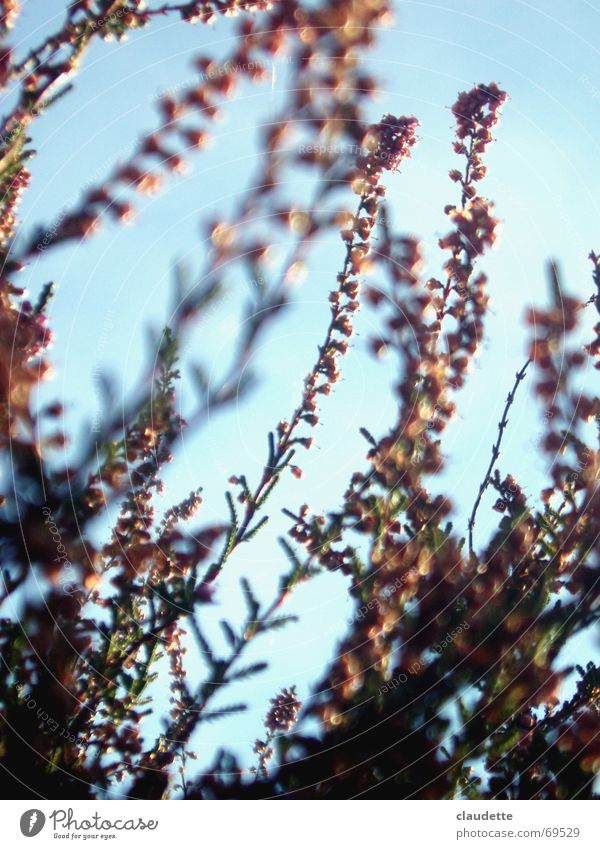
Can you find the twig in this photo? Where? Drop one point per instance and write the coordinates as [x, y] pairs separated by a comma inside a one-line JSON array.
[[495, 450]]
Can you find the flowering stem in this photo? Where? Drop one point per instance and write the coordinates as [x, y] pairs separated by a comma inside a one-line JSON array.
[[282, 451]]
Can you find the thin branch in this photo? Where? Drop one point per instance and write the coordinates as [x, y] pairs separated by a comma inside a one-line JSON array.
[[495, 450]]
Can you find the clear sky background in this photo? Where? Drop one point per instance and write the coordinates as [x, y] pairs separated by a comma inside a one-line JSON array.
[[543, 177]]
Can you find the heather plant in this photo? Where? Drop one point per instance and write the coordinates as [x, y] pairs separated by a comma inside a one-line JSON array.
[[446, 683]]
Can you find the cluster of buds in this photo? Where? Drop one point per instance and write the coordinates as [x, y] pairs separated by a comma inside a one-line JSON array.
[[24, 337], [283, 713], [11, 190], [265, 754], [183, 511], [173, 635], [511, 495], [137, 14], [475, 230], [9, 10], [567, 406], [281, 718], [389, 143], [311, 532], [133, 465], [578, 741], [476, 112], [206, 11], [356, 233], [163, 150], [386, 145]]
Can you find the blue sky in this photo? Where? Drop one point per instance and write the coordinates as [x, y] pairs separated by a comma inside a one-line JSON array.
[[543, 178]]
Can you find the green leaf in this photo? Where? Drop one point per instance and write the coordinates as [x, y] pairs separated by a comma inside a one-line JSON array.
[[232, 511], [247, 671], [229, 633], [289, 581], [212, 715], [251, 602], [46, 295], [276, 624], [201, 639], [252, 533], [271, 460], [286, 460], [127, 680], [245, 487], [370, 439]]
